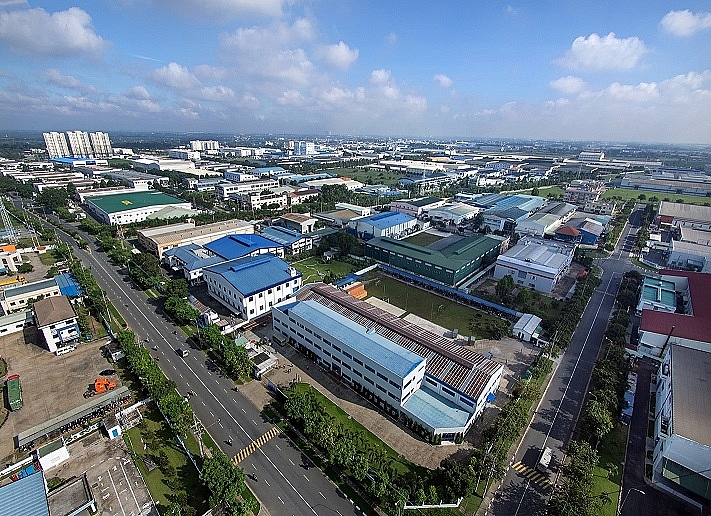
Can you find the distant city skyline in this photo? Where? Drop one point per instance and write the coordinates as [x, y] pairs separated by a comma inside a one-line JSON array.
[[606, 71]]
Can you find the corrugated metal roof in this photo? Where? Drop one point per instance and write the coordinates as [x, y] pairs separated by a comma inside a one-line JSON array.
[[237, 246], [253, 274], [280, 235], [384, 352], [25, 497], [435, 411]]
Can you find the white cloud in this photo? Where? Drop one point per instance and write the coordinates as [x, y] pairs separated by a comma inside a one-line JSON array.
[[217, 93], [339, 55], [264, 39], [56, 78], [568, 85], [175, 76], [604, 53], [225, 9], [59, 34], [391, 38], [511, 10], [380, 76], [291, 97], [138, 93], [642, 92], [443, 80], [685, 23]]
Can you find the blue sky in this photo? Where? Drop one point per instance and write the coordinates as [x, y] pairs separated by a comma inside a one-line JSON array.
[[574, 70]]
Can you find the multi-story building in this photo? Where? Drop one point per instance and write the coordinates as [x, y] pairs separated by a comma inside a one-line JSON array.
[[292, 241], [682, 416], [535, 263], [259, 200], [101, 144], [56, 145], [302, 148], [416, 207], [403, 369], [250, 286], [583, 191], [56, 322], [18, 297], [204, 145], [184, 154], [80, 144], [228, 190]]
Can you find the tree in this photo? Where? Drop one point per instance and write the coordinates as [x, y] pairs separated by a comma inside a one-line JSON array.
[[211, 336], [224, 480], [478, 221], [53, 198], [597, 420], [176, 288], [504, 287], [237, 359], [181, 310]]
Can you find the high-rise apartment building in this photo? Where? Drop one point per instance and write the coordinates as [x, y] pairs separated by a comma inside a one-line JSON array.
[[204, 145], [56, 145], [304, 148], [80, 144], [101, 144]]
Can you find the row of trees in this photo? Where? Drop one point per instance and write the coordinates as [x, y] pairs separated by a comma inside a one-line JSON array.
[[618, 223], [574, 495], [564, 326], [352, 453]]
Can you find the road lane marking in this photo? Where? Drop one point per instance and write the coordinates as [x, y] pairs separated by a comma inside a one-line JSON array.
[[256, 444]]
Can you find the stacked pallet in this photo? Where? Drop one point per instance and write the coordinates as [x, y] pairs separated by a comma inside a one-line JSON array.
[[357, 290]]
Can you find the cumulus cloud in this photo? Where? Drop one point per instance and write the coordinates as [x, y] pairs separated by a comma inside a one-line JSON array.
[[225, 9], [391, 38], [380, 76], [443, 80], [685, 23], [339, 55], [568, 85], [60, 34], [264, 39], [56, 78], [175, 76], [138, 93], [604, 53]]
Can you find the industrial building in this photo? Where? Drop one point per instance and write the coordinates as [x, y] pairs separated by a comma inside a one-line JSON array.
[[229, 190], [417, 208], [16, 297], [450, 260], [408, 372], [160, 239], [250, 286], [535, 263], [56, 321], [237, 246], [190, 259], [292, 241], [125, 208], [386, 224]]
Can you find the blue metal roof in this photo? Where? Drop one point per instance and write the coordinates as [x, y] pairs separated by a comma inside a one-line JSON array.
[[253, 274], [385, 353], [434, 410], [280, 235], [68, 285], [178, 251], [188, 254], [386, 219], [237, 246], [25, 496]]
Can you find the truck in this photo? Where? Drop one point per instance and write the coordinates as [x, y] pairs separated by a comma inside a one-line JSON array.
[[100, 386], [14, 391], [544, 461]]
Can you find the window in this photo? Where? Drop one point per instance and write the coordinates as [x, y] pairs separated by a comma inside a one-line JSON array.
[[261, 294], [381, 389], [371, 382], [338, 360], [269, 291], [309, 331], [347, 355], [466, 402], [300, 334], [382, 376], [431, 381], [327, 341], [309, 340], [448, 391], [328, 354], [367, 367], [392, 395], [357, 361], [317, 346], [336, 348], [347, 367], [358, 373], [393, 384]]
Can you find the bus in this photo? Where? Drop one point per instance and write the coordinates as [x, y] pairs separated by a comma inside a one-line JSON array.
[[544, 460], [14, 392]]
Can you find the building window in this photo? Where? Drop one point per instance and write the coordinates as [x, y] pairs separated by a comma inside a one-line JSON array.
[[369, 368]]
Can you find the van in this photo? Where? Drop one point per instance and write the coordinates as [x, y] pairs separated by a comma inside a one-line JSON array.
[[544, 460], [182, 352]]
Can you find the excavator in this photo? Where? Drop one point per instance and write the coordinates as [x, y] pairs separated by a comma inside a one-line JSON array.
[[100, 386]]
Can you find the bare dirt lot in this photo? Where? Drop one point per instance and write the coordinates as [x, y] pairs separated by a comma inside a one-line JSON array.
[[51, 385]]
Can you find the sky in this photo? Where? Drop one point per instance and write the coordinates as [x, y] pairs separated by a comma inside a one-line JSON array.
[[631, 71]]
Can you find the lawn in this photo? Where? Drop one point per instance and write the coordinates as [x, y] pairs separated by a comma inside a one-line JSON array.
[[424, 239], [370, 440], [626, 195], [536, 303], [179, 473], [441, 311], [383, 177], [547, 191], [314, 269], [608, 474]]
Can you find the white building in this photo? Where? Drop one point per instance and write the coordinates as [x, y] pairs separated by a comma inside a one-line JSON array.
[[10, 259], [259, 200], [15, 298], [682, 417], [101, 144], [387, 224], [80, 144], [302, 148], [184, 154], [417, 207], [56, 143], [250, 286], [56, 322], [535, 263], [350, 184], [401, 368], [455, 213], [227, 190], [204, 145], [527, 328]]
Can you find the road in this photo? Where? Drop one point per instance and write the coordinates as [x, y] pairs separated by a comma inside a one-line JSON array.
[[523, 491], [284, 485]]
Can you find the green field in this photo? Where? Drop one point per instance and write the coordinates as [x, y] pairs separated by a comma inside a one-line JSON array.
[[627, 195], [443, 312], [424, 239], [314, 269], [375, 177], [608, 474], [547, 191]]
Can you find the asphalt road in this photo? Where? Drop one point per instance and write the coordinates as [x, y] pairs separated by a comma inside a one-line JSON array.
[[557, 414], [284, 485]]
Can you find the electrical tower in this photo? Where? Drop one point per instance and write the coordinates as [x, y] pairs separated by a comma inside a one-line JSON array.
[[11, 234]]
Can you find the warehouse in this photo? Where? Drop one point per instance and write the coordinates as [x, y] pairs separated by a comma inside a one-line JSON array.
[[386, 224], [125, 208], [160, 239], [450, 260]]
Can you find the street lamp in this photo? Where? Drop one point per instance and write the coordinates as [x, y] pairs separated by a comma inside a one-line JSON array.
[[624, 499]]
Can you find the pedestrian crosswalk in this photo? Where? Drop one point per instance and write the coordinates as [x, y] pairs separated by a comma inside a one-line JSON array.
[[256, 444], [533, 475]]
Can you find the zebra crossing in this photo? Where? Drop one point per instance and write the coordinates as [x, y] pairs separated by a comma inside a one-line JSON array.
[[533, 475], [256, 444]]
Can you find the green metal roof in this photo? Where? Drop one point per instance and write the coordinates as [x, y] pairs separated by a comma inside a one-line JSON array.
[[452, 256], [422, 202], [131, 201]]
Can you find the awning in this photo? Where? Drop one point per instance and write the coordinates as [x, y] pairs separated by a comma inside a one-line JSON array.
[[491, 397]]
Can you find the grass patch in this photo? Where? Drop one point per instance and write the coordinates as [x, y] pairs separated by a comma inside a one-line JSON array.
[[314, 269], [643, 265], [547, 191], [381, 177], [48, 259], [424, 239], [370, 440], [608, 474], [179, 472], [439, 310], [627, 195], [116, 317]]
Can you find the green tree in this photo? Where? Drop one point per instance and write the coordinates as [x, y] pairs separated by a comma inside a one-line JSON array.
[[504, 287], [597, 420], [211, 337], [224, 480], [176, 288], [53, 198], [181, 310]]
